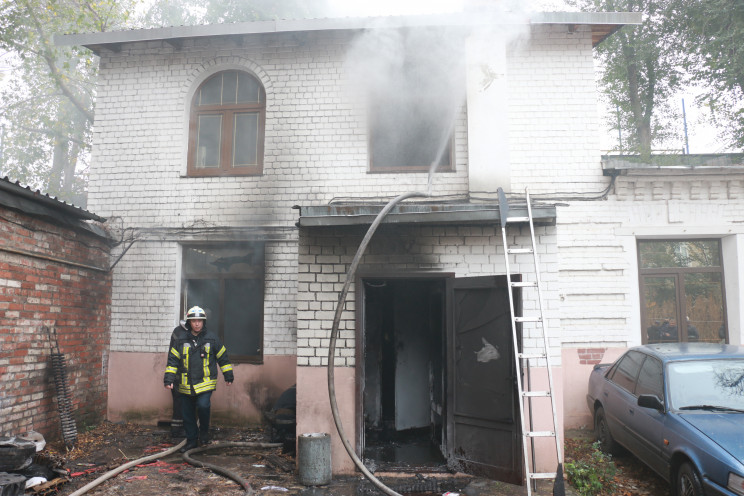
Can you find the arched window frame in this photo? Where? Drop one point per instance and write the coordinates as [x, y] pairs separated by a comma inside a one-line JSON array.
[[227, 113]]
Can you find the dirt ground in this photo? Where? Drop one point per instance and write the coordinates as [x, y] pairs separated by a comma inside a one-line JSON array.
[[269, 471]]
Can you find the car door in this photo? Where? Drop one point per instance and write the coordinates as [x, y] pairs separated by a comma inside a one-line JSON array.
[[646, 425], [618, 398]]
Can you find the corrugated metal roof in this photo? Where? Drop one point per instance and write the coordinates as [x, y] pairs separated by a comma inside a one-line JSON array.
[[34, 202], [435, 214], [603, 24]]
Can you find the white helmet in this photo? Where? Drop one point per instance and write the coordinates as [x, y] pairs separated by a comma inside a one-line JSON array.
[[196, 313]]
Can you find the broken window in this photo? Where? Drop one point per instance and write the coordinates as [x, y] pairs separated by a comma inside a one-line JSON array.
[[226, 129], [413, 99], [227, 280]]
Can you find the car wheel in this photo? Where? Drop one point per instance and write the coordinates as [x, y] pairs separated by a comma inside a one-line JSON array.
[[688, 481], [602, 432]]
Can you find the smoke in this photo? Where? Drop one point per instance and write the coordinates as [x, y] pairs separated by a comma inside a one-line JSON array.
[[412, 81]]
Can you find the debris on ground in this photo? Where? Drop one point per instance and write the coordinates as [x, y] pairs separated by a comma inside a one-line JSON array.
[[269, 471]]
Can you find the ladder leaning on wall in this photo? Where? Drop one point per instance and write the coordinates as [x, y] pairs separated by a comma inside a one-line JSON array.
[[523, 360]]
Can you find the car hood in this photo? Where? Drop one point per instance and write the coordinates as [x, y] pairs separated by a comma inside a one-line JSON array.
[[723, 428]]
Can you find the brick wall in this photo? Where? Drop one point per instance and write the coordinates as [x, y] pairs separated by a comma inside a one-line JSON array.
[[71, 297], [325, 256], [315, 150]]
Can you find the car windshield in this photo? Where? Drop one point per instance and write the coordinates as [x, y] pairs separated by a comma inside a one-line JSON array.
[[707, 384]]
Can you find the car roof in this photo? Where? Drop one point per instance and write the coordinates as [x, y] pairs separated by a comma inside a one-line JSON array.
[[691, 351]]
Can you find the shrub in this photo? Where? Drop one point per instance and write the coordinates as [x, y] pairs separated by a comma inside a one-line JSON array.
[[593, 476]]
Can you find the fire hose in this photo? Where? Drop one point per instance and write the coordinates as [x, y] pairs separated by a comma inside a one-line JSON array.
[[334, 335], [186, 456]]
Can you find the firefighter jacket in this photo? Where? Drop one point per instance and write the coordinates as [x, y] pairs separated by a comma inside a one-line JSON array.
[[193, 361]]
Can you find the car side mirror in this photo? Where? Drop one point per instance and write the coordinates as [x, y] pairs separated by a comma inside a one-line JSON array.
[[651, 401]]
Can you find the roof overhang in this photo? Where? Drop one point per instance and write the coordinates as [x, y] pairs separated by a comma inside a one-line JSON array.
[[674, 165], [602, 25], [418, 214], [35, 203]]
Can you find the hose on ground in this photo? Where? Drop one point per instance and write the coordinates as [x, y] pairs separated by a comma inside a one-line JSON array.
[[334, 335], [122, 468], [221, 470]]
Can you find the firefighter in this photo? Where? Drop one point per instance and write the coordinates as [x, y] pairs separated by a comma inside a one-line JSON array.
[[193, 359]]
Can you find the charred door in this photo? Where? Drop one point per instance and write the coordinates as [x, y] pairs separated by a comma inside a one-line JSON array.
[[483, 435]]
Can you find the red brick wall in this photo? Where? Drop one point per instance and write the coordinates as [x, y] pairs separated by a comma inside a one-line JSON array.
[[67, 295], [591, 356]]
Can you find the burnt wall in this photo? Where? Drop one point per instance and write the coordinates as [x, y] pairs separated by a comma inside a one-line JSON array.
[[57, 278]]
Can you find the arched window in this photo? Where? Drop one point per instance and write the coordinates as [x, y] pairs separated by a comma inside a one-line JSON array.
[[226, 127]]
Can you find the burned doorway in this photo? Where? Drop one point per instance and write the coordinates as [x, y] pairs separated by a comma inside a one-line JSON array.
[[403, 383], [438, 377]]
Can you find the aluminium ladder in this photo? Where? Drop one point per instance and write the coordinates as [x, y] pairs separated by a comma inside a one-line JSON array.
[[522, 360]]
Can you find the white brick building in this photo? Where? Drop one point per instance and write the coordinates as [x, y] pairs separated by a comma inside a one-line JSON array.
[[208, 219]]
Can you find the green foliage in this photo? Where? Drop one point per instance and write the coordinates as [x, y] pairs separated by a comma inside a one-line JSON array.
[[193, 12], [708, 35], [46, 107], [594, 476], [640, 74]]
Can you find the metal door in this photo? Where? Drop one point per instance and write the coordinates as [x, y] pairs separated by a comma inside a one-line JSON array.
[[483, 435]]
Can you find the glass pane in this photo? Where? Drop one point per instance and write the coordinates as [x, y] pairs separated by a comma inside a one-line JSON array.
[[664, 254], [243, 307], [206, 294], [650, 379], [235, 258], [249, 90], [210, 92], [245, 140], [229, 87], [660, 299], [208, 138], [707, 382], [627, 370], [704, 298]]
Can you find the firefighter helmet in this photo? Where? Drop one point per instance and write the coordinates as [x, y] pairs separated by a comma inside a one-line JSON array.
[[196, 313]]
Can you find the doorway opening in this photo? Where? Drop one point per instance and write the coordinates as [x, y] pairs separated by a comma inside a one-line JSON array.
[[404, 378]]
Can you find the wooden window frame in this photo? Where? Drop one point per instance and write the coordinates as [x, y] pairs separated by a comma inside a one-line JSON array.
[[228, 113], [678, 274]]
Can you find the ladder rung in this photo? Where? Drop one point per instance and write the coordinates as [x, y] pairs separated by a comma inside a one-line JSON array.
[[543, 475], [523, 284], [539, 434], [518, 251], [530, 356], [536, 394], [528, 319], [517, 219]]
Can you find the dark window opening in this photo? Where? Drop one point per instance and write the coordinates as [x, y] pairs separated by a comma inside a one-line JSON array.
[[228, 282], [414, 97], [682, 292]]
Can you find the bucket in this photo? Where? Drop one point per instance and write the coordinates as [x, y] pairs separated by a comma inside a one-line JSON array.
[[314, 458]]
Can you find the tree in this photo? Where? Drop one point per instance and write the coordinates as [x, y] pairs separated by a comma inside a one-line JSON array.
[[640, 74], [192, 12], [708, 35], [47, 108]]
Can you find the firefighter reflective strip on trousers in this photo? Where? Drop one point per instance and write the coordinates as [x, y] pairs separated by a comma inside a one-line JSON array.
[[205, 361]]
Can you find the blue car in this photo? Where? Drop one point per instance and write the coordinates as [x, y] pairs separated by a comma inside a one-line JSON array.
[[679, 408]]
